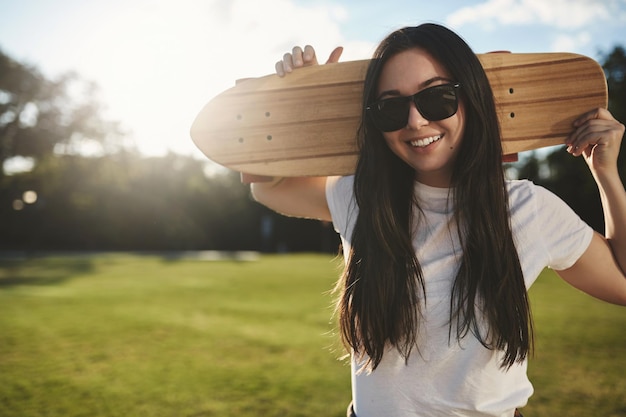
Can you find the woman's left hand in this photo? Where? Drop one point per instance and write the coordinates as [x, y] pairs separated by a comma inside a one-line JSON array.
[[598, 138]]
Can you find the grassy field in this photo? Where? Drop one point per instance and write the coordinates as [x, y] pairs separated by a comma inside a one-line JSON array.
[[124, 335]]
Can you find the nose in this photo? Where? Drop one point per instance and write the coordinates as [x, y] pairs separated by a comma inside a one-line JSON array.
[[416, 120]]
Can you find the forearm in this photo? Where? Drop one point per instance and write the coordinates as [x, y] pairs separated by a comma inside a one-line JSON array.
[[613, 198], [268, 192], [294, 196]]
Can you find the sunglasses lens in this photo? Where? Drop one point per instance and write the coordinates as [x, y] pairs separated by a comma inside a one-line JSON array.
[[437, 103], [391, 114], [434, 103]]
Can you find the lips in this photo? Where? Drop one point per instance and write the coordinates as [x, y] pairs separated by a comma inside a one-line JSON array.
[[421, 143]]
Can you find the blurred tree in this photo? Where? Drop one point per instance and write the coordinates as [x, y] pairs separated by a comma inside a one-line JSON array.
[[615, 70], [128, 202], [119, 202], [39, 116]]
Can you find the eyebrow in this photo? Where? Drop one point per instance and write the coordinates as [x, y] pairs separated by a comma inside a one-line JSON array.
[[421, 87]]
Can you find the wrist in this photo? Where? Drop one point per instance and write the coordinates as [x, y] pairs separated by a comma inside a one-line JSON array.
[[607, 176]]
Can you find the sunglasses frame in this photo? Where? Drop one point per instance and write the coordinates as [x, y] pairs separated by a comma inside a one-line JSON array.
[[415, 98]]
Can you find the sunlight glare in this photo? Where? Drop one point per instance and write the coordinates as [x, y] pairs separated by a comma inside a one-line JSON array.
[[29, 197], [158, 63]]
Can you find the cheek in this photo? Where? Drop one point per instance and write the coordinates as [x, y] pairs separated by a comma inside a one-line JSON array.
[[459, 123], [461, 115], [388, 136], [392, 140]]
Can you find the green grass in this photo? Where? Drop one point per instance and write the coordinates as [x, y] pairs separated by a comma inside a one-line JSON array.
[[580, 360], [123, 335]]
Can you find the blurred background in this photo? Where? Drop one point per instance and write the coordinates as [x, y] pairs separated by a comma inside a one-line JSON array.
[[96, 101]]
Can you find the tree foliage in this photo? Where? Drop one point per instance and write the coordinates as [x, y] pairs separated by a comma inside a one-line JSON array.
[[128, 202], [39, 116]]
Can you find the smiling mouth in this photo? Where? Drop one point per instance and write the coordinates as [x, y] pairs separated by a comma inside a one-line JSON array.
[[422, 143]]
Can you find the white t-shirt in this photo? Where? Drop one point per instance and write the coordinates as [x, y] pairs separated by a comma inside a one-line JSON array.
[[458, 378]]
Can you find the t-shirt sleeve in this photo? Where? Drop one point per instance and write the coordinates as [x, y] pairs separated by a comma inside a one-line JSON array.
[[340, 198], [564, 235]]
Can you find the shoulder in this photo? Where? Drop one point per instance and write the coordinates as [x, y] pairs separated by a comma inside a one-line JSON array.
[[518, 188], [341, 203], [339, 190], [521, 193], [530, 203], [525, 193], [547, 231], [340, 183]]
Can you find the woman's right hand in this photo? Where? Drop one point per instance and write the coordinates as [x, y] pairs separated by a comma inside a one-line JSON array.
[[306, 57], [295, 59]]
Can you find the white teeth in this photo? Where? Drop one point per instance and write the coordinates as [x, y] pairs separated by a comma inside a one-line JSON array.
[[420, 143]]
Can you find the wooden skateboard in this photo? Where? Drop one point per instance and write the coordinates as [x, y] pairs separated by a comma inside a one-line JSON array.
[[305, 123]]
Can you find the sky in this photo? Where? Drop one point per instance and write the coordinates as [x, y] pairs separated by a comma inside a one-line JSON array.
[[157, 62]]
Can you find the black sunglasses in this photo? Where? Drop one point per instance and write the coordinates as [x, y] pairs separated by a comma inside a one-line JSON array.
[[434, 103]]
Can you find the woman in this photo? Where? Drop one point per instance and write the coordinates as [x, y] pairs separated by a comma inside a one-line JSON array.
[[439, 248]]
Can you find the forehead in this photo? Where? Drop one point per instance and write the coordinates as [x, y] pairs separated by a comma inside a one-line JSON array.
[[409, 71]]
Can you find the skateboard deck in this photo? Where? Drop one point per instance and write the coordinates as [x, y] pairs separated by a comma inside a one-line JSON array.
[[305, 123]]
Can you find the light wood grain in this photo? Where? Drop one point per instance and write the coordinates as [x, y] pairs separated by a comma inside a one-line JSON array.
[[305, 123]]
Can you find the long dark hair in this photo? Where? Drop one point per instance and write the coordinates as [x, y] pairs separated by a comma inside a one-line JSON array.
[[381, 292]]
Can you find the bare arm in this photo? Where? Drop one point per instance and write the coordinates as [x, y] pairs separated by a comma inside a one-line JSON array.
[[601, 270], [296, 197]]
